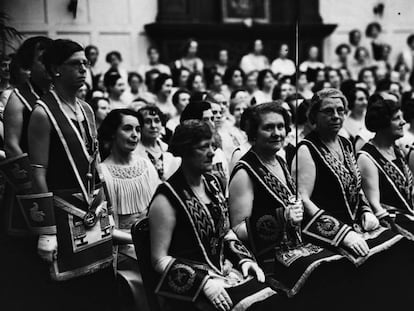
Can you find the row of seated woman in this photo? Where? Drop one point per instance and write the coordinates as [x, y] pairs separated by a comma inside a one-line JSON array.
[[272, 246]]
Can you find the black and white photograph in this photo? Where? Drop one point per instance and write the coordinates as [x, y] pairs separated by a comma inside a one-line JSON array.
[[206, 155]]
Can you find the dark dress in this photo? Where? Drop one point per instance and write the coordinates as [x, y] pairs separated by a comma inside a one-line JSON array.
[[199, 249], [302, 270], [82, 277], [384, 275], [395, 188]]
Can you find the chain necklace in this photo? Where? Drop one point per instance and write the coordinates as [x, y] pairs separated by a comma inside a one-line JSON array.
[[79, 120]]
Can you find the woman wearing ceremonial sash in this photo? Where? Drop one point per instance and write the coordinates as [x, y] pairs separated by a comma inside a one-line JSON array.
[[68, 209], [19, 243], [199, 259], [386, 178], [338, 216], [265, 213]]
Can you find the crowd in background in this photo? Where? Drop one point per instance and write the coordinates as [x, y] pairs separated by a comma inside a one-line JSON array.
[[137, 112]]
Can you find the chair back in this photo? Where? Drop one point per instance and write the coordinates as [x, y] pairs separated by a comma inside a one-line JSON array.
[[141, 240]]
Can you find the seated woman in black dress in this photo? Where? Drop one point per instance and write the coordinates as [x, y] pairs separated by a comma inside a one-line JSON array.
[[197, 255], [265, 212], [386, 178], [337, 214]]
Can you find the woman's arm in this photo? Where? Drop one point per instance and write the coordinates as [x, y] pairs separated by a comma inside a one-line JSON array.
[[13, 123], [306, 177], [39, 141], [306, 173], [370, 183], [240, 202], [162, 222]]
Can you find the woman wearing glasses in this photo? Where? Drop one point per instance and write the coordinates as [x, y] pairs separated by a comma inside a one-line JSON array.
[[336, 213], [68, 208], [265, 212], [198, 257]]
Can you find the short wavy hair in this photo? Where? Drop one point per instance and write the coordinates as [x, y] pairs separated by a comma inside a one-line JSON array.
[[255, 117], [187, 135], [380, 113], [319, 97]]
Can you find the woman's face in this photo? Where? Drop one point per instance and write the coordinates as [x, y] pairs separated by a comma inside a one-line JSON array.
[[217, 82], [208, 117], [251, 82], [72, 72], [182, 80], [127, 135], [102, 111], [271, 132], [334, 79], [167, 87], [237, 79], [183, 101], [223, 57], [151, 129], [217, 111], [118, 88], [285, 90], [330, 116], [198, 84], [320, 75], [361, 101], [192, 49], [313, 53], [368, 78], [238, 111], [268, 81], [397, 123], [201, 157]]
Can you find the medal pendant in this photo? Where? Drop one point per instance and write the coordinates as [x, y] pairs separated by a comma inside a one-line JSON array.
[[89, 220]]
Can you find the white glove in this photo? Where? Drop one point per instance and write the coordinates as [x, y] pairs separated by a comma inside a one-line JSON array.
[[369, 221], [217, 295], [251, 266], [47, 247]]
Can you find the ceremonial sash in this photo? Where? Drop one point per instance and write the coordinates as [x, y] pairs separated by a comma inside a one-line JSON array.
[[83, 221], [398, 185], [289, 265], [27, 95], [208, 234]]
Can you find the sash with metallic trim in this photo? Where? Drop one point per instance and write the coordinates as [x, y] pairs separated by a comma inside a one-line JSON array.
[[287, 263], [347, 174], [395, 186], [209, 233], [326, 228], [79, 157], [82, 249], [27, 95]]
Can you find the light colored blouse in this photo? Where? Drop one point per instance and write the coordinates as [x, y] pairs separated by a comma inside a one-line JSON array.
[[130, 189]]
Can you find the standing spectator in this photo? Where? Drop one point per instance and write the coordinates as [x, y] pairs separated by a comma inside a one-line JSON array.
[[251, 82], [180, 100], [114, 59], [115, 87], [134, 91], [5, 87], [163, 92], [303, 86], [361, 60], [312, 63], [195, 82], [255, 60], [355, 37], [373, 31], [283, 65], [153, 63], [234, 78], [342, 51], [333, 76], [189, 59], [92, 74], [222, 62], [150, 145], [407, 55], [266, 82], [368, 77], [180, 77], [100, 107]]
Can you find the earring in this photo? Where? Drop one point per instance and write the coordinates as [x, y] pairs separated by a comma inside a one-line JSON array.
[[57, 74]]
